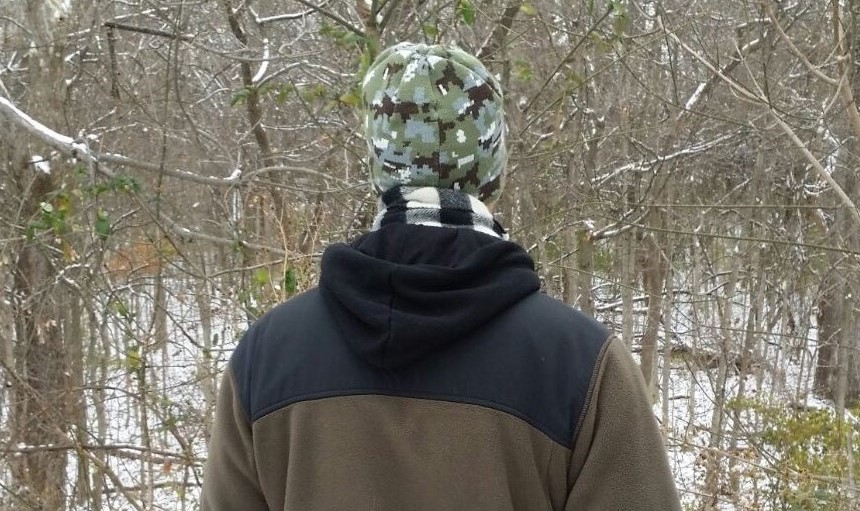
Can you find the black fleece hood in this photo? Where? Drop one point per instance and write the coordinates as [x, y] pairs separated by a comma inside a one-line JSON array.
[[404, 292]]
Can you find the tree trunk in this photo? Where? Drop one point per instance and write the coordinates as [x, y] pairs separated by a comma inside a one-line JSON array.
[[714, 466], [628, 284], [829, 332], [585, 270], [40, 408], [654, 269]]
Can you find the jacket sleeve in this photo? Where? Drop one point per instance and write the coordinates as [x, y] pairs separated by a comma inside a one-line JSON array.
[[619, 460], [230, 481]]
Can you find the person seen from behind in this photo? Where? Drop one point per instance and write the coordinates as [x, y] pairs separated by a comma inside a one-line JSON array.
[[427, 372]]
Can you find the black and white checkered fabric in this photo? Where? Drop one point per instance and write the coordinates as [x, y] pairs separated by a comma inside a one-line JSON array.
[[436, 207]]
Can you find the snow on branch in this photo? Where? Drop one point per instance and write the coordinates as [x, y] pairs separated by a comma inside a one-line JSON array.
[[705, 87], [264, 67], [78, 148], [62, 143], [261, 20], [640, 166]]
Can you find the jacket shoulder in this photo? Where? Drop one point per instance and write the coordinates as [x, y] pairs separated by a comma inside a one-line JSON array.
[[558, 314], [543, 357], [552, 325], [274, 343]]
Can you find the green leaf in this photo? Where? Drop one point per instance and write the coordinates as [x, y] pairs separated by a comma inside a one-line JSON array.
[[240, 97], [58, 223], [261, 278], [602, 44], [466, 10], [528, 9], [290, 281], [133, 362], [350, 98], [119, 183], [120, 307], [522, 70], [128, 184], [617, 6], [284, 93], [64, 203], [102, 225], [314, 92], [620, 20], [326, 29], [170, 422], [47, 207], [430, 30], [350, 38], [265, 89], [575, 80]]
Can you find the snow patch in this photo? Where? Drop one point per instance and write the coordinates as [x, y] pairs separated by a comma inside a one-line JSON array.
[[41, 164]]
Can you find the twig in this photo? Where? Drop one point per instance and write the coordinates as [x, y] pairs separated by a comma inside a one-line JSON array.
[[148, 31], [794, 49], [565, 59], [280, 17], [79, 149], [761, 100], [328, 14], [120, 450], [496, 39]]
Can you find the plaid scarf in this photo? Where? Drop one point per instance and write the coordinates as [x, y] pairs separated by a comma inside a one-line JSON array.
[[436, 207]]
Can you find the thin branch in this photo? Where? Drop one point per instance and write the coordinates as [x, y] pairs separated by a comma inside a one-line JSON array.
[[496, 40], [788, 130], [794, 49], [566, 58], [281, 17], [62, 143], [772, 241], [328, 14], [139, 14], [187, 234], [846, 90], [818, 167], [120, 450], [740, 206], [78, 148], [599, 181], [387, 17], [148, 31], [705, 87], [740, 89]]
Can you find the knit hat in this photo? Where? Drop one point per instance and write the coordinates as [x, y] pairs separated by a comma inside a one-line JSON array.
[[434, 117]]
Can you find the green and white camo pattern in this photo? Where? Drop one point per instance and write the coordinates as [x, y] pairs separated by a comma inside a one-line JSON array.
[[434, 117]]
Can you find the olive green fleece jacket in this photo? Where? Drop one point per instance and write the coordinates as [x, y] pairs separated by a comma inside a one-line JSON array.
[[427, 372], [388, 453]]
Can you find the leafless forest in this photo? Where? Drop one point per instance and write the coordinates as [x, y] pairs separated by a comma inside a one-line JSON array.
[[685, 170]]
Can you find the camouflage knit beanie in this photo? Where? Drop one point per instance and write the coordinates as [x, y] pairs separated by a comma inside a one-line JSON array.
[[433, 117]]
